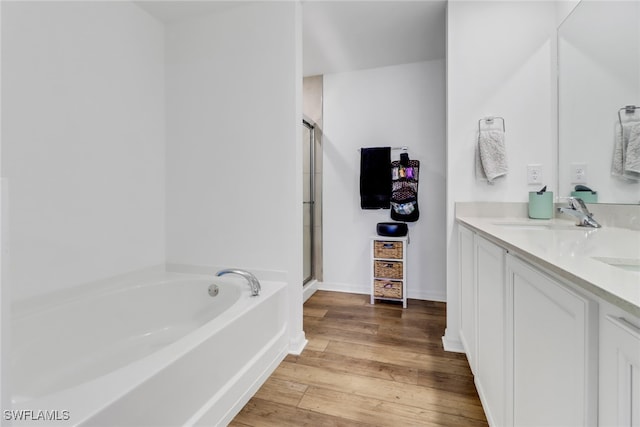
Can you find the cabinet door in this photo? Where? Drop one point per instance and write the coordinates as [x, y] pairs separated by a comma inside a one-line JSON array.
[[553, 374], [467, 292], [490, 363], [619, 371]]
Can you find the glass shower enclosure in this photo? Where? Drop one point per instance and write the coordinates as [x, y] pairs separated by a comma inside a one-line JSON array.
[[308, 200]]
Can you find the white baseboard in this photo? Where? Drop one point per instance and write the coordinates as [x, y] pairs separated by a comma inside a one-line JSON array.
[[428, 296], [359, 289], [344, 287], [452, 343], [297, 344], [483, 402], [308, 290]]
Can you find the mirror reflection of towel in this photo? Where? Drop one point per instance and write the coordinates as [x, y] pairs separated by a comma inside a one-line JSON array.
[[632, 158], [626, 151], [375, 178]]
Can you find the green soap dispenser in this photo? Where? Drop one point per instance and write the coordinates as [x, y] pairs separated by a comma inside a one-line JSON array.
[[541, 204], [585, 193]]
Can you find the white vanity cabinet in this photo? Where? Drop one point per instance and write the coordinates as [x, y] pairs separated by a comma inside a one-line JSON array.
[[552, 349], [619, 368], [490, 306], [482, 311], [467, 293], [531, 338]]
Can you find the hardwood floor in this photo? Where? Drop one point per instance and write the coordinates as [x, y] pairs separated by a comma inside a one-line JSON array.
[[368, 365]]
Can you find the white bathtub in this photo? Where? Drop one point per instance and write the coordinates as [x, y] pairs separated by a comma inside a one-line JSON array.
[[161, 352]]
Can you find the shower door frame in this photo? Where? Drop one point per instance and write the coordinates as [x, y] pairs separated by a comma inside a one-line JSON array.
[[312, 196]]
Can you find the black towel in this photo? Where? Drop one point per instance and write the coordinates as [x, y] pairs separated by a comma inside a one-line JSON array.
[[375, 178]]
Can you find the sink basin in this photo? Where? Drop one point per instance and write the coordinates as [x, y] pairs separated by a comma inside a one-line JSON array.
[[629, 264], [523, 225], [530, 225]]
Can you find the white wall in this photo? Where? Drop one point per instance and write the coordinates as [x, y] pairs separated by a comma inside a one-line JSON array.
[[82, 141], [5, 392], [234, 193], [5, 296], [501, 61], [391, 106], [564, 8]]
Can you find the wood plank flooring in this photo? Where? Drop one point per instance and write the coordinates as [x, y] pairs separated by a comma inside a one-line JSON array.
[[368, 365]]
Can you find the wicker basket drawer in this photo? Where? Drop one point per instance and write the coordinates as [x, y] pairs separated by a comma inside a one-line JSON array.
[[387, 289], [385, 249], [388, 269]]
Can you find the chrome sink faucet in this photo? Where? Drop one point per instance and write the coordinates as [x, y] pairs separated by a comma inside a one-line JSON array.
[[578, 209], [253, 280]]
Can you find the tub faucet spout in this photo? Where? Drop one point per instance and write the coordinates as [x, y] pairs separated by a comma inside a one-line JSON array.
[[253, 280]]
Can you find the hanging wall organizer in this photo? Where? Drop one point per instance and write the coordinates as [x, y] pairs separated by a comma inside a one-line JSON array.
[[404, 188]]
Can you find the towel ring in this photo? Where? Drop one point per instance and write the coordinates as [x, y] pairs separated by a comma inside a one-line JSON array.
[[628, 109], [489, 120]]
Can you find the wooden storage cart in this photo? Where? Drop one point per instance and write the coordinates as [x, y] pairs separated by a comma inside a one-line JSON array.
[[389, 269]]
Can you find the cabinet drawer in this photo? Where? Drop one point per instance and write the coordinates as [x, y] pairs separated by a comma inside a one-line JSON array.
[[385, 249], [387, 289], [388, 269]]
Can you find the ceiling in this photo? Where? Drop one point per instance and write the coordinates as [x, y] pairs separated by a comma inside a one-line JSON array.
[[168, 11], [345, 35], [352, 35]]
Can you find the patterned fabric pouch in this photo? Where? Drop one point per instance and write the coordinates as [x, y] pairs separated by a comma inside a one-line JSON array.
[[404, 192]]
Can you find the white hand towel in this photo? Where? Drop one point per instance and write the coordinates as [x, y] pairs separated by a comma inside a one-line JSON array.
[[632, 152], [617, 165], [620, 148], [492, 153], [479, 170]]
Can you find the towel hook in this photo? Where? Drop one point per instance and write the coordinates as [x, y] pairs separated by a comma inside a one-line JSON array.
[[489, 120], [628, 109]]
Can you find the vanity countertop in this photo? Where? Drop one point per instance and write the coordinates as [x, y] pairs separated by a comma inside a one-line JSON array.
[[581, 255]]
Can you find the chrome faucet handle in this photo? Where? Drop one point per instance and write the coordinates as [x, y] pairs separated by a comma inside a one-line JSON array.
[[578, 209], [578, 204]]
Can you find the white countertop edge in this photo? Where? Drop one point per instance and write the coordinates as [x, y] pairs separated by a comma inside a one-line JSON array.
[[623, 291]]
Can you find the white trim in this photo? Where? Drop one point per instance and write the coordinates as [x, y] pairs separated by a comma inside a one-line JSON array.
[[344, 287], [366, 290], [297, 344], [625, 325], [483, 400], [5, 319], [308, 290], [5, 327], [427, 296], [452, 344]]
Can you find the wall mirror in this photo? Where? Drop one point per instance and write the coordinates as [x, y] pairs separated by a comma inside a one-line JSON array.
[[598, 74]]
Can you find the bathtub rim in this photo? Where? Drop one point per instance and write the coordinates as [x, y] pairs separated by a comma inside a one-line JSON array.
[[55, 298]]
